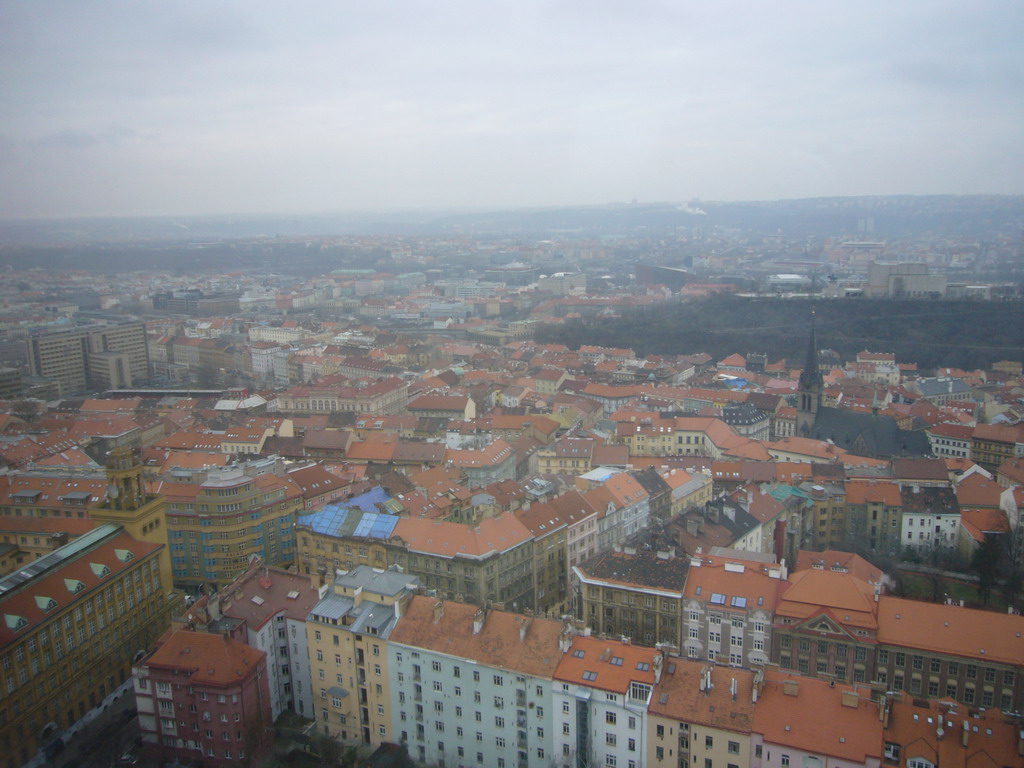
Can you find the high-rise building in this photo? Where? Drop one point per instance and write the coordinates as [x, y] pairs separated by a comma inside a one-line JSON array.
[[90, 356]]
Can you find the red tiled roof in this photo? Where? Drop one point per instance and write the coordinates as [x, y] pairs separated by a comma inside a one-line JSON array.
[[210, 659]]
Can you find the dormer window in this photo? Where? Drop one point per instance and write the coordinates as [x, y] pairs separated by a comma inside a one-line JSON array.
[[100, 569], [14, 623], [74, 585], [46, 603], [124, 555]]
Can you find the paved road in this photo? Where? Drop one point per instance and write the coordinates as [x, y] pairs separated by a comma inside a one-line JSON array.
[[104, 739]]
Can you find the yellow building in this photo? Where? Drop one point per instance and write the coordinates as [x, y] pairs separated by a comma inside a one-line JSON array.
[[129, 504], [73, 622], [346, 634], [218, 519], [700, 714]]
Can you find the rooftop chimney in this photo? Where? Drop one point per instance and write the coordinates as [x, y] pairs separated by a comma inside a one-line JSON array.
[[524, 627], [439, 611], [478, 621]]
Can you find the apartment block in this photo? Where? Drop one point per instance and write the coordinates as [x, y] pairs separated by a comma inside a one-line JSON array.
[[204, 697], [730, 602], [90, 356], [489, 562], [218, 519], [601, 691], [634, 593], [472, 686], [347, 633], [701, 714], [73, 621], [266, 608]]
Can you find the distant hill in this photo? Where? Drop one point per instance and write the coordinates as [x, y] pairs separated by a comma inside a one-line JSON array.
[[960, 334], [888, 216]]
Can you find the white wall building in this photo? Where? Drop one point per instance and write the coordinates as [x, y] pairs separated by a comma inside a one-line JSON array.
[[600, 695], [472, 687]]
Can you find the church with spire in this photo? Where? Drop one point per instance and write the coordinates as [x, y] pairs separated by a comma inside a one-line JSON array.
[[874, 435]]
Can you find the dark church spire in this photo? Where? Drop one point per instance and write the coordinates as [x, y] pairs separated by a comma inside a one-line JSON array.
[[810, 376], [811, 387]]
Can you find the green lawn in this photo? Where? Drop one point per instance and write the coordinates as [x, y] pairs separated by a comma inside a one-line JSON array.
[[917, 586]]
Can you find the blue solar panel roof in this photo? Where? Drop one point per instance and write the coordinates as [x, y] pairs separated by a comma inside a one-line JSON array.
[[358, 516]]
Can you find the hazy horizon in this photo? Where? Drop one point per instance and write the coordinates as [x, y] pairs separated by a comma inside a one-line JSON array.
[[118, 109]]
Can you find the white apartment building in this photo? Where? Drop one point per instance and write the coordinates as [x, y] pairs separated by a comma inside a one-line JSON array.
[[472, 687], [600, 694]]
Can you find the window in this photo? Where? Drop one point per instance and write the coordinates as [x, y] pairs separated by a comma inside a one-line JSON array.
[[609, 717], [609, 739], [734, 747], [709, 742], [785, 761]]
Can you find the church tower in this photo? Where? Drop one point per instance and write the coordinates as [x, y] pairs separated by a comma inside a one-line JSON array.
[[141, 514], [810, 389]]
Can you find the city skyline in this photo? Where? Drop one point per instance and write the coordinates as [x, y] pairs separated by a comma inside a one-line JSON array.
[[118, 110]]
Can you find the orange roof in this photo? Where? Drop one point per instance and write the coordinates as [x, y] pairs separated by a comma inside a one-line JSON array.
[[609, 665], [505, 641], [951, 629], [873, 491], [210, 659], [991, 738], [810, 715], [371, 450], [805, 446], [678, 695], [742, 584], [625, 489], [846, 598], [977, 492], [436, 537], [836, 560], [110, 557], [978, 522]]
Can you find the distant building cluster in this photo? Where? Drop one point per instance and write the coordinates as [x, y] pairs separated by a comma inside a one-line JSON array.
[[372, 502]]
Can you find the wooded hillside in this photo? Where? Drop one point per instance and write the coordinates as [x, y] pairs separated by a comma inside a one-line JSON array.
[[961, 334]]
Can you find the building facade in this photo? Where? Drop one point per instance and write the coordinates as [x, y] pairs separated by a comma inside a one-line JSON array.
[[347, 633], [204, 697], [90, 357], [218, 519], [473, 687], [74, 620]]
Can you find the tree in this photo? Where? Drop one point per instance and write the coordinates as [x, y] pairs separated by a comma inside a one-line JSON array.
[[986, 565], [327, 747]]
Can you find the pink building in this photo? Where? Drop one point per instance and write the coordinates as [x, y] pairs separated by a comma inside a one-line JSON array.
[[204, 697]]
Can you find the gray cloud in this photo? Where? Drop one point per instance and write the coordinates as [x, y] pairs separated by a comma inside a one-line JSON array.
[[190, 107]]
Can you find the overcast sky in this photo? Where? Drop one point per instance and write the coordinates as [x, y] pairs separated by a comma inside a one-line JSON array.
[[187, 107]]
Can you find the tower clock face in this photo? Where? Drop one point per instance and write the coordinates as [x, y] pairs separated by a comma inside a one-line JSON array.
[[113, 491]]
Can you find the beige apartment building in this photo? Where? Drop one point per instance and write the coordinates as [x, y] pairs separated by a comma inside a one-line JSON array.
[[347, 633]]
